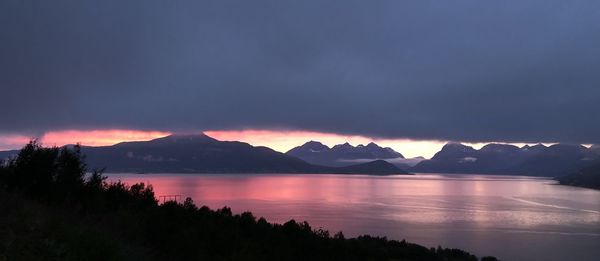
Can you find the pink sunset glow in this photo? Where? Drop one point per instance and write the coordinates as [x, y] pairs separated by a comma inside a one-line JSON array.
[[88, 138], [279, 140]]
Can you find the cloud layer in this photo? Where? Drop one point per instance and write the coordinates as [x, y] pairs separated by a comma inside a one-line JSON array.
[[515, 71]]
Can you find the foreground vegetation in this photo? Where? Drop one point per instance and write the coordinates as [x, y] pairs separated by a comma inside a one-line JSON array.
[[50, 211]]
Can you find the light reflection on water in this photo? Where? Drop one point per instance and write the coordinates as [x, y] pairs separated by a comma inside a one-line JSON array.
[[514, 218]]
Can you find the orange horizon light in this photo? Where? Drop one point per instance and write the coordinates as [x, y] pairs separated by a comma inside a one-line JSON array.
[[279, 140], [83, 137]]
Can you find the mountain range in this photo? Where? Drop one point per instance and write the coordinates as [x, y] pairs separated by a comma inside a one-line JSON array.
[[341, 155], [203, 154], [538, 160], [493, 158]]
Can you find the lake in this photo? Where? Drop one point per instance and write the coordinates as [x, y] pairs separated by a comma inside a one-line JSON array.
[[510, 217]]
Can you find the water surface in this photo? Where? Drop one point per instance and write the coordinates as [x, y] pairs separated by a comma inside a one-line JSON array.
[[510, 217]]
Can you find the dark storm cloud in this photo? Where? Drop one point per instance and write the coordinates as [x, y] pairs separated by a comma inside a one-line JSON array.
[[453, 70]]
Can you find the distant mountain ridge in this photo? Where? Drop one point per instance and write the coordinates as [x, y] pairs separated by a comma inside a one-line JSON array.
[[538, 160], [203, 154], [342, 154]]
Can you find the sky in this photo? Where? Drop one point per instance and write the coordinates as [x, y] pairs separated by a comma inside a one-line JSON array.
[[392, 71]]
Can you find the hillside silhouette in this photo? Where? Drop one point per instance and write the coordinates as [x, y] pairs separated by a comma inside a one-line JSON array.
[[588, 177]]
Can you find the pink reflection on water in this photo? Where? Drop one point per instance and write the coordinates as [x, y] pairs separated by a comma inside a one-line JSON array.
[[462, 211], [431, 199]]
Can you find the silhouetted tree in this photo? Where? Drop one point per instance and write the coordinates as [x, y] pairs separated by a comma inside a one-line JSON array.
[[70, 171], [33, 169], [96, 182]]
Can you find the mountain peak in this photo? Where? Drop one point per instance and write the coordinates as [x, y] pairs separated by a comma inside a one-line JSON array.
[[198, 137], [308, 147], [373, 145], [346, 145], [454, 150], [315, 145], [455, 146], [537, 148], [498, 147]]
